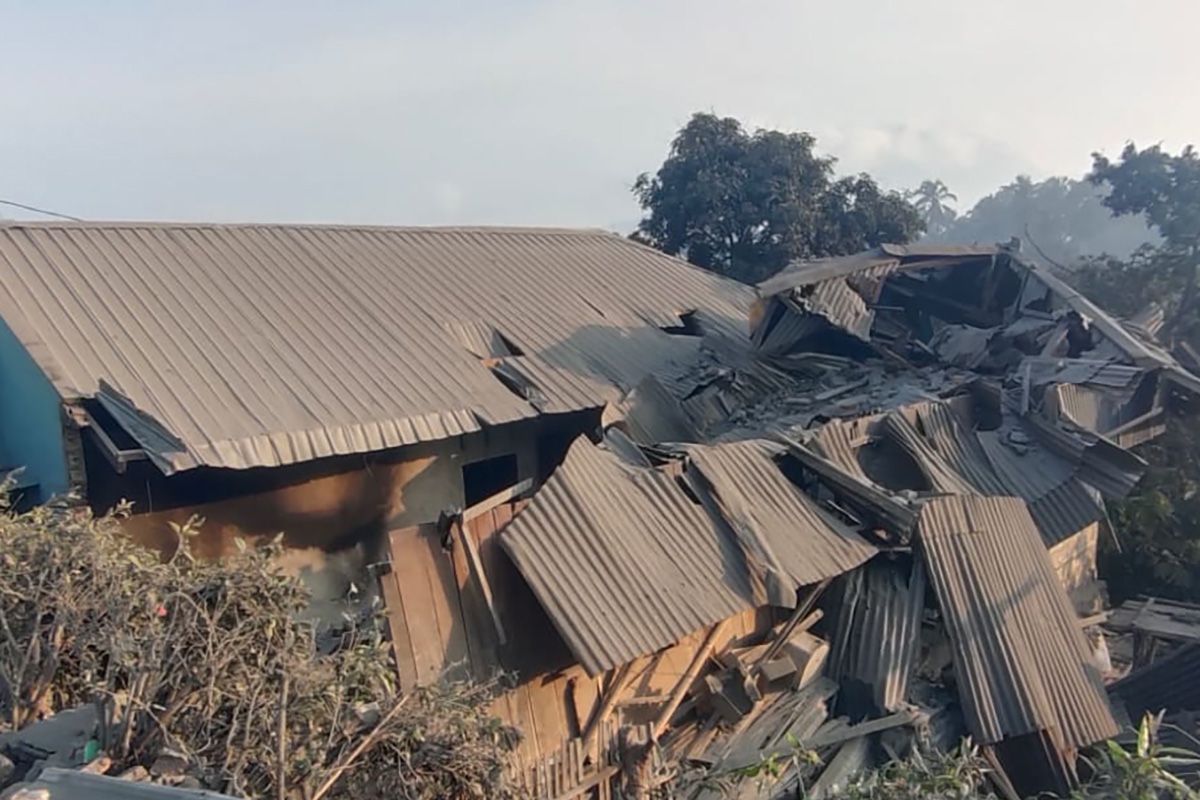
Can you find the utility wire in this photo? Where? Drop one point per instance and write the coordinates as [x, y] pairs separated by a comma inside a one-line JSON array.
[[37, 210]]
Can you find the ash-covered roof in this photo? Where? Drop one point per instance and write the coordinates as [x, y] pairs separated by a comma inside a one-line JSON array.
[[626, 561], [260, 345]]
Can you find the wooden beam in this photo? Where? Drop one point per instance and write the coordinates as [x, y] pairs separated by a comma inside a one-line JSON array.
[[513, 492], [686, 680], [621, 679], [906, 717], [481, 580], [882, 505], [799, 620]]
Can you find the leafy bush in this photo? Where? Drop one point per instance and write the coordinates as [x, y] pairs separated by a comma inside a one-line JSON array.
[[210, 659], [959, 775]]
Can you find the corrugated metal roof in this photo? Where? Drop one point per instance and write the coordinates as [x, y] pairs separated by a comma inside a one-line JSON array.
[[877, 635], [1021, 660], [957, 460], [1171, 683], [259, 345], [958, 446], [1058, 502], [842, 306], [942, 477], [839, 440], [934, 250], [1099, 462], [772, 516], [622, 560], [1140, 352], [1085, 372], [802, 273]]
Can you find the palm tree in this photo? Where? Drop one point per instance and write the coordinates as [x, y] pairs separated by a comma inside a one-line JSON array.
[[930, 199]]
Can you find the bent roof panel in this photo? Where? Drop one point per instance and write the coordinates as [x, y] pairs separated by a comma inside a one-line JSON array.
[[1021, 660], [622, 560], [260, 345]]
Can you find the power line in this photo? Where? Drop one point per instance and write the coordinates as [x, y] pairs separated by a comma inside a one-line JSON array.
[[37, 210]]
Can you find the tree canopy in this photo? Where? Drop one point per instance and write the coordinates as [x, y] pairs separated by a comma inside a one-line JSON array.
[[1062, 219], [1165, 189], [931, 200], [1157, 523], [745, 205]]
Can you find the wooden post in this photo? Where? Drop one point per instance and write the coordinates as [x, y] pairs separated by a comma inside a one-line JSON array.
[[623, 675], [802, 609], [689, 677], [481, 579]]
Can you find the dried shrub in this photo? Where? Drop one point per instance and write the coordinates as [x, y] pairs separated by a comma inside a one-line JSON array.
[[211, 660]]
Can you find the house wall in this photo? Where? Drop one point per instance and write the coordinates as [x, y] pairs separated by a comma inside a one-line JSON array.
[[31, 434], [1074, 560], [335, 525]]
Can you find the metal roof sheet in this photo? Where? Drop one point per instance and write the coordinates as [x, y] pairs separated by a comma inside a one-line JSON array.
[[1140, 352], [772, 516], [1169, 683], [880, 260], [259, 345], [802, 273], [623, 561], [1021, 660], [57, 783], [877, 635], [1099, 461]]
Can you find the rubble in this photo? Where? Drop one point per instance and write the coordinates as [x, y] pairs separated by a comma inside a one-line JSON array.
[[867, 526], [961, 416]]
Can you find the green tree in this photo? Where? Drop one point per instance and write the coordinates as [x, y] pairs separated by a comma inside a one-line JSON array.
[[745, 205], [1157, 523], [1166, 189], [1062, 220], [931, 200]]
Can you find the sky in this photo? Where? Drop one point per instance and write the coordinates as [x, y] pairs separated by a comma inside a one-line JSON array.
[[541, 113]]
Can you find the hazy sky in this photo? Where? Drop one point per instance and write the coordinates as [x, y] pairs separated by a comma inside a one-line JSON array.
[[543, 113]]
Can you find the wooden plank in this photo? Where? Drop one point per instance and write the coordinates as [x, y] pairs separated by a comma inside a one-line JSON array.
[[548, 705], [529, 722], [583, 694], [686, 680], [443, 591], [481, 638], [410, 567], [502, 498], [597, 779], [836, 735], [482, 585], [406, 666], [612, 693]]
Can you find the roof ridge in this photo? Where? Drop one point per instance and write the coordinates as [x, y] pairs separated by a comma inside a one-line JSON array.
[[130, 224]]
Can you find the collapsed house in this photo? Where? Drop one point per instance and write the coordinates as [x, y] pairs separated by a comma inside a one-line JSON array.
[[868, 518]]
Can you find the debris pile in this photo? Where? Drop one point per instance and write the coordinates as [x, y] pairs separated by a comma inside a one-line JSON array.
[[908, 475]]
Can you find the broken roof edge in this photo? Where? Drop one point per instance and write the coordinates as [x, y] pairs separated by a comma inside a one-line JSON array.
[[601, 539], [816, 270], [1139, 350]]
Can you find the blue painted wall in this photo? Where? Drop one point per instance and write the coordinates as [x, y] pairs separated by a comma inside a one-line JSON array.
[[30, 419]]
